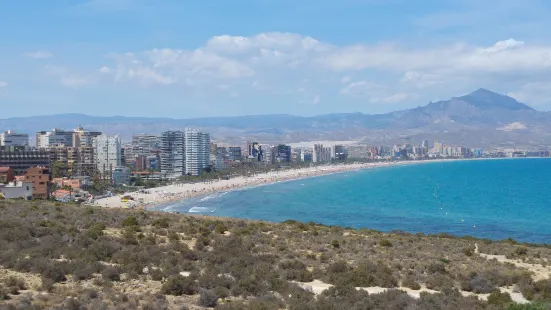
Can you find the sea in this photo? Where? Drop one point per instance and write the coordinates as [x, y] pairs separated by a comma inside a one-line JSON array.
[[494, 199]]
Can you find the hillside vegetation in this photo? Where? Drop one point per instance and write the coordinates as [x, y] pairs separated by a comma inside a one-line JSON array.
[[56, 256]]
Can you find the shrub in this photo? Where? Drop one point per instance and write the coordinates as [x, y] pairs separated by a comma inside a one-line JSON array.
[[54, 273], [111, 274], [481, 285], [439, 282], [499, 298], [16, 282], [468, 251], [519, 251], [161, 223], [178, 285], [437, 268], [410, 282], [208, 298], [335, 244], [385, 243], [130, 221]]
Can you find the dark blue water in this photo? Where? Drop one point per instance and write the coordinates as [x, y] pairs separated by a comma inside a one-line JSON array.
[[494, 199]]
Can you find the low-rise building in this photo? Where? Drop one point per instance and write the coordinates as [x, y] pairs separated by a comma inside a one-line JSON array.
[[40, 178], [121, 175], [14, 190], [64, 182], [6, 175], [21, 159]]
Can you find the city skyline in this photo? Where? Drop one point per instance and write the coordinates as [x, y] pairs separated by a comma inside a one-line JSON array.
[[259, 57]]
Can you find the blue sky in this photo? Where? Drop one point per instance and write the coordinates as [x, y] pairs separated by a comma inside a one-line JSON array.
[[220, 58]]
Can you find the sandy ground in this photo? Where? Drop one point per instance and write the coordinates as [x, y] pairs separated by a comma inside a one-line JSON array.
[[540, 272], [317, 287], [179, 192]]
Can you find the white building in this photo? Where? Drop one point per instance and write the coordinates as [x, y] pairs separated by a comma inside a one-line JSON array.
[[17, 190], [197, 151], [54, 138], [11, 138], [107, 154]]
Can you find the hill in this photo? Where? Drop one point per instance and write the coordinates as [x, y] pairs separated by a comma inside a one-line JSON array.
[[58, 256], [475, 119]]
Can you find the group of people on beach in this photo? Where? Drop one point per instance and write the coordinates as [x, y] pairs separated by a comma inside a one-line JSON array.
[[176, 191]]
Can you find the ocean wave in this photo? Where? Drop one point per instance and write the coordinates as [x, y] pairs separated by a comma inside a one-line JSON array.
[[213, 196], [201, 210]]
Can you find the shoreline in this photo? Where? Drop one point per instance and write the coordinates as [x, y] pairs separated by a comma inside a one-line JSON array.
[[155, 197]]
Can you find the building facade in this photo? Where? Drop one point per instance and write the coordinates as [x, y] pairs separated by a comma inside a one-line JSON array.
[[197, 151], [22, 189], [54, 138], [234, 153], [321, 153], [11, 138], [172, 154], [84, 138], [21, 159], [107, 154], [40, 178]]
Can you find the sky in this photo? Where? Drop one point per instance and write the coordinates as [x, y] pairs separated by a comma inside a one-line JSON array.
[[186, 59]]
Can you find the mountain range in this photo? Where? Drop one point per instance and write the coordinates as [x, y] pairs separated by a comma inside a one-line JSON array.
[[480, 119]]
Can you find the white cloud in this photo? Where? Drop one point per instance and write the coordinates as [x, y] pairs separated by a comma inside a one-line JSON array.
[[3, 84], [316, 100], [69, 78], [39, 55], [279, 63]]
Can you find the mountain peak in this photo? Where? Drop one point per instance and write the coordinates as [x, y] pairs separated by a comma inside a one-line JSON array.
[[484, 98]]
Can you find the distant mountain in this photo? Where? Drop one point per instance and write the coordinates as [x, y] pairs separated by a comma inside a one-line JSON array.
[[481, 118]]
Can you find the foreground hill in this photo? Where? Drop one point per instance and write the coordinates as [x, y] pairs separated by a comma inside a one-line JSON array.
[[481, 118], [67, 257]]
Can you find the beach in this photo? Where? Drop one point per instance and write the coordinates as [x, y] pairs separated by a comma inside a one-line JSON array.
[[150, 198]]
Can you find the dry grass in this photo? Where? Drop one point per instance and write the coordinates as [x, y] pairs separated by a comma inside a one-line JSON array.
[[93, 258]]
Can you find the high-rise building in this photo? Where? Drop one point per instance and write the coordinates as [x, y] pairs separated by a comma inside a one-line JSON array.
[[54, 138], [107, 154], [283, 153], [321, 154], [145, 144], [11, 138], [359, 152], [84, 138], [197, 151], [234, 153], [255, 152], [172, 154], [338, 152], [425, 143]]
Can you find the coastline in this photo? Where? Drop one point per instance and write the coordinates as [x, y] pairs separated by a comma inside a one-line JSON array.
[[180, 192]]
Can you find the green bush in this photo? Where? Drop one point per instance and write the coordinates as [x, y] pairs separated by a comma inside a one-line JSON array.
[[499, 298], [385, 243], [178, 285], [130, 221], [335, 244]]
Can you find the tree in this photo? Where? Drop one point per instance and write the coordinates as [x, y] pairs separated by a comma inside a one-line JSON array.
[[59, 169]]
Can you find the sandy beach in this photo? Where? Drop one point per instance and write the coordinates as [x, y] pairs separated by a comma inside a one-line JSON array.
[[152, 197]]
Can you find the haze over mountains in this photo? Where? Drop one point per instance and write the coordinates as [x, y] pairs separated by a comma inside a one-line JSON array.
[[480, 119]]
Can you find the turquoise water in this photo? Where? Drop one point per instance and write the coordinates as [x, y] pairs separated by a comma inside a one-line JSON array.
[[496, 199]]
